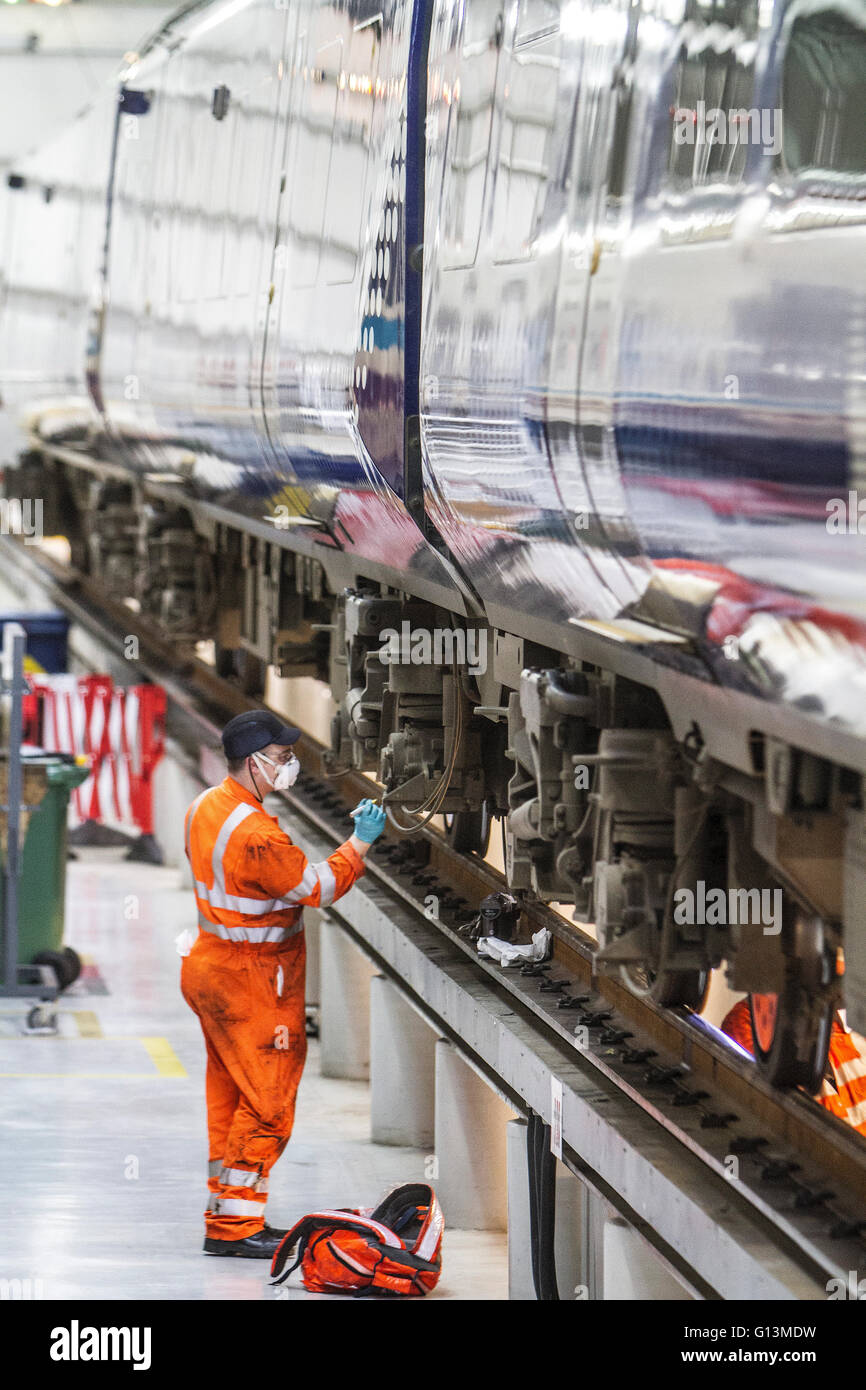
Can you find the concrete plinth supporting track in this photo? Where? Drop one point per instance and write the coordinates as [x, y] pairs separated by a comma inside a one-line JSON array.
[[344, 1016], [402, 1070], [632, 1270], [471, 1128]]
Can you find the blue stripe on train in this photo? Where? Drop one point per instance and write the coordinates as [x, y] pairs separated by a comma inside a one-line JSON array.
[[690, 454]]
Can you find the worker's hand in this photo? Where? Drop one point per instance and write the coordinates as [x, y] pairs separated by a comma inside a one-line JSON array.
[[369, 820]]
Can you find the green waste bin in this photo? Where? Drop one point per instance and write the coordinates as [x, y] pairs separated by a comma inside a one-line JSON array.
[[48, 779]]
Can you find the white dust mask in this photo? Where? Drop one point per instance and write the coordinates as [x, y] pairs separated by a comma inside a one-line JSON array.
[[287, 773]]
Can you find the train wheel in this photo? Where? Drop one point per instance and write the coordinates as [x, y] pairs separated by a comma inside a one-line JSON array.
[[681, 988], [791, 1029], [792, 1039], [669, 989], [468, 831], [655, 979]]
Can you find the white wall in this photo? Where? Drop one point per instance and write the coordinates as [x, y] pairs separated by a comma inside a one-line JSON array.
[[79, 48]]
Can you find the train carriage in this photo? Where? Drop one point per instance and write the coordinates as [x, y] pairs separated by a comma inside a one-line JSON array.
[[540, 322]]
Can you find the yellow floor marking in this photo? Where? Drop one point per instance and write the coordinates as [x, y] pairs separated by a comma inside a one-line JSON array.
[[78, 1075], [160, 1050], [164, 1057], [87, 1023]]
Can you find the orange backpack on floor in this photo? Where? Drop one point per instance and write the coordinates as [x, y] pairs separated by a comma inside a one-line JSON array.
[[393, 1248]]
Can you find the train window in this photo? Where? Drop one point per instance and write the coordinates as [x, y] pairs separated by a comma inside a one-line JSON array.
[[525, 141], [310, 172], [824, 94], [712, 119], [471, 115]]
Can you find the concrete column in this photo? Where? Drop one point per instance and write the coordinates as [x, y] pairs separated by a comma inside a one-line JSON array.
[[344, 1013], [633, 1271], [174, 788], [471, 1123], [520, 1285], [312, 931], [402, 1070], [568, 1238]]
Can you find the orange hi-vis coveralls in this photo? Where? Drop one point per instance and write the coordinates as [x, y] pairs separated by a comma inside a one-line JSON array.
[[846, 1096], [244, 977]]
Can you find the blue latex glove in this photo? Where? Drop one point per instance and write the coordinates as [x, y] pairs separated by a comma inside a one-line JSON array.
[[369, 820]]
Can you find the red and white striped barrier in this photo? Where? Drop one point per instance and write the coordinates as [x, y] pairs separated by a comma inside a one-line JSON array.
[[121, 732]]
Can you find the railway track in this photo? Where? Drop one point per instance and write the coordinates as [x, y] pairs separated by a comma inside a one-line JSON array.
[[777, 1159]]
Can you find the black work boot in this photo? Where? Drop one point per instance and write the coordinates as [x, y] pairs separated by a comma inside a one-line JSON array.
[[261, 1246]]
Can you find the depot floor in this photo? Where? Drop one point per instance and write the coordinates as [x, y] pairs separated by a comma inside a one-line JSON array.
[[102, 1129]]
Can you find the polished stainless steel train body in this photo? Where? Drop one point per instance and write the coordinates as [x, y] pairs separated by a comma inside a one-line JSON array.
[[550, 312]]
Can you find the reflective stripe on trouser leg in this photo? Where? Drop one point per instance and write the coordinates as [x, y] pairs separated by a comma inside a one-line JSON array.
[[243, 1177], [241, 1206], [248, 1207], [239, 1210], [214, 1168]]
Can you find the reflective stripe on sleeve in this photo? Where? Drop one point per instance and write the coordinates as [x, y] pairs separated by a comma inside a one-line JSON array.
[[214, 1167], [328, 882], [303, 889], [321, 874]]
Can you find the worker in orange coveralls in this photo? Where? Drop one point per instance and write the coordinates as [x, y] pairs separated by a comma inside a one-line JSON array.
[[845, 1093], [244, 975]]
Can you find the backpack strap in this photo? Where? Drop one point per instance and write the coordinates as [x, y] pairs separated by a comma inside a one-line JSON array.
[[407, 1202], [299, 1235], [431, 1232], [323, 1220], [407, 1258], [400, 1267]]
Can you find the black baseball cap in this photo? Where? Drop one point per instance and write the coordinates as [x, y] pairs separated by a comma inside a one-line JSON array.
[[253, 730]]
